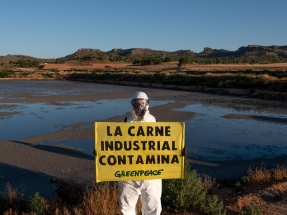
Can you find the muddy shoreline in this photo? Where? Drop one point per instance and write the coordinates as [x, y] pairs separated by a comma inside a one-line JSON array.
[[28, 165]]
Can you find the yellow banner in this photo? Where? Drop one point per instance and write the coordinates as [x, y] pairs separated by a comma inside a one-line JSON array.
[[139, 151]]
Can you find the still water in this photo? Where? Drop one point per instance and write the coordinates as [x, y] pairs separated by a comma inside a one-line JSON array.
[[210, 135], [218, 138]]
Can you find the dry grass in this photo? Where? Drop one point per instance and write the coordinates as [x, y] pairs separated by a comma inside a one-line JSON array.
[[280, 173], [101, 199], [264, 175], [264, 187], [11, 195], [172, 66], [267, 188], [12, 200], [90, 66], [259, 175], [208, 182], [71, 199]]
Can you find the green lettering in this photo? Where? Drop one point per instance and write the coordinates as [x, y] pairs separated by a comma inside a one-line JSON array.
[[123, 173], [159, 171], [117, 174]]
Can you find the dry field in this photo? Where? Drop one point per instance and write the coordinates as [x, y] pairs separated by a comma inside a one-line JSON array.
[[170, 66], [72, 66]]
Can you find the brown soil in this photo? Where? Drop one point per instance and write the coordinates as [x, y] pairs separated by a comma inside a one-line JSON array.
[[170, 66], [263, 195], [71, 66]]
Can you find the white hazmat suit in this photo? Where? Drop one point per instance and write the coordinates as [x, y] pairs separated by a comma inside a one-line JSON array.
[[149, 190]]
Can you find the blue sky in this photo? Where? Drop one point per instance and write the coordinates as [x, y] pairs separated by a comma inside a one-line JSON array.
[[56, 28]]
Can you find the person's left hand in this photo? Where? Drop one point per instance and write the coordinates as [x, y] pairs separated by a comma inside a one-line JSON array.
[[183, 152]]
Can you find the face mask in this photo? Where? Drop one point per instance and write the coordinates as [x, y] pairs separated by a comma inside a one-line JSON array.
[[139, 106]]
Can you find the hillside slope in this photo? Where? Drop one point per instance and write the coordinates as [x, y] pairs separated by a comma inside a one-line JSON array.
[[264, 54]]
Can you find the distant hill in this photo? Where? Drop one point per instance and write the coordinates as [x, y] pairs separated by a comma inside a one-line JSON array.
[[249, 51], [248, 54], [14, 58], [96, 55]]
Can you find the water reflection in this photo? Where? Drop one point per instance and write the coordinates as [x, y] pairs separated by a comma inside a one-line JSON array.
[[33, 119], [45, 88], [212, 136]]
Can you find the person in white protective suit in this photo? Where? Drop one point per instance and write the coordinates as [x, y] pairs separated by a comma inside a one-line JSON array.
[[149, 190]]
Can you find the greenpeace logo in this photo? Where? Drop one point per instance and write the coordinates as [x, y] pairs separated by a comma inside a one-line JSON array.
[[135, 173]]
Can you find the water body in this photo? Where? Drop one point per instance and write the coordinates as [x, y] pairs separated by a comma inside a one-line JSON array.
[[217, 137], [214, 133]]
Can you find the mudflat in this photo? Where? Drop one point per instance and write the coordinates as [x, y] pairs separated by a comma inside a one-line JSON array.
[[30, 167]]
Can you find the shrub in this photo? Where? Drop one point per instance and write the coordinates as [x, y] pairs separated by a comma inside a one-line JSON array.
[[37, 203], [280, 173], [12, 200], [101, 198], [47, 75], [213, 206], [259, 175], [238, 187], [25, 74], [190, 193], [6, 73], [182, 194], [253, 209], [69, 192]]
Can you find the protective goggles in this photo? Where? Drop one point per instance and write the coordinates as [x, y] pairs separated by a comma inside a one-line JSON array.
[[139, 102]]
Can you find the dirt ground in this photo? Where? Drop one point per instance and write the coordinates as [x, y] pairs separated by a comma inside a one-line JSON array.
[[170, 66], [70, 66]]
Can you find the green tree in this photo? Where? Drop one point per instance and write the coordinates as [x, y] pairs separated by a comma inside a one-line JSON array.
[[167, 59], [183, 61]]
